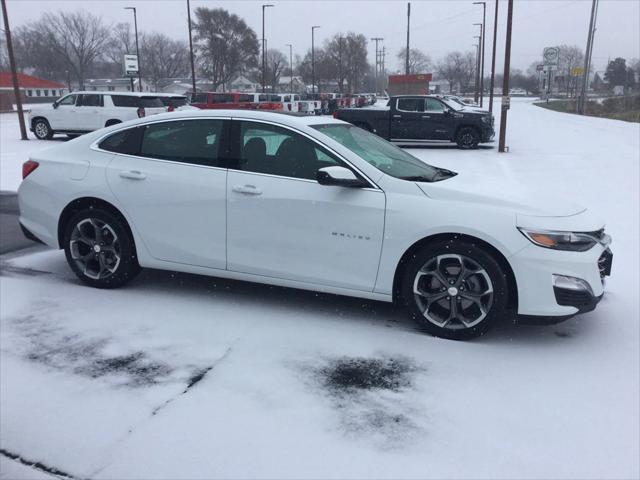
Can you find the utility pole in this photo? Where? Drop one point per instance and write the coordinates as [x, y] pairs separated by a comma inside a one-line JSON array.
[[377, 39], [587, 57], [14, 72], [505, 82], [135, 26], [193, 69], [290, 66], [484, 22], [493, 58], [313, 61], [406, 65], [383, 54], [264, 74]]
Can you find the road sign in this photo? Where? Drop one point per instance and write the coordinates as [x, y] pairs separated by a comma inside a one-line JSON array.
[[550, 68], [577, 71], [551, 55], [130, 64], [539, 68], [506, 101]]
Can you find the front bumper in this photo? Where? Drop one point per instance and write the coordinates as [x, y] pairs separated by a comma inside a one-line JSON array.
[[487, 134], [538, 294]]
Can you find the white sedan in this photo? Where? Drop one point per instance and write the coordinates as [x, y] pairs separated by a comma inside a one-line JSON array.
[[312, 203]]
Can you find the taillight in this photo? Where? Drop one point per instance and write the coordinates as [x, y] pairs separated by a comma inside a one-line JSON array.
[[28, 167], [169, 109], [335, 114], [141, 112]]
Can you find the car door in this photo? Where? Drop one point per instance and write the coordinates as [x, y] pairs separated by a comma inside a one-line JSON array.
[[439, 120], [61, 118], [171, 181], [88, 114], [282, 223], [408, 119]]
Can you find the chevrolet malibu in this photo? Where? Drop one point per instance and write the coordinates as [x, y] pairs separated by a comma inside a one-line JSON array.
[[312, 203]]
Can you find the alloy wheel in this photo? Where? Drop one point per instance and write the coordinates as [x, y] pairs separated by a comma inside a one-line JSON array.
[[95, 248], [41, 130], [453, 292]]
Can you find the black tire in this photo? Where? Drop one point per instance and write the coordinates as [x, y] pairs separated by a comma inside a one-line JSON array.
[[455, 296], [468, 138], [42, 129], [98, 230]]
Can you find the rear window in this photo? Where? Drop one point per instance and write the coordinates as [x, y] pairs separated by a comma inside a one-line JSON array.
[[125, 141], [174, 102], [135, 101]]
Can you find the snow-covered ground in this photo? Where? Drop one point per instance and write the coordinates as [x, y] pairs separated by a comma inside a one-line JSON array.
[[179, 376]]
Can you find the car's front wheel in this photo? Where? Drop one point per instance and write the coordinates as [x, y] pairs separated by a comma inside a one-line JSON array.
[[468, 138], [455, 290], [42, 129], [100, 249]]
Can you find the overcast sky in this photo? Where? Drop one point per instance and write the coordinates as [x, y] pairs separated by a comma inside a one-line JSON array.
[[437, 27]]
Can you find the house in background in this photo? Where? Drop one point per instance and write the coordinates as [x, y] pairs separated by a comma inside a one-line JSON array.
[[243, 84], [32, 90], [284, 84], [182, 86], [114, 85]]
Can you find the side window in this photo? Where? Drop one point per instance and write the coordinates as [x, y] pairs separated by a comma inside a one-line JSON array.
[[434, 105], [411, 104], [124, 100], [187, 141], [275, 150], [68, 100], [90, 100], [125, 141]]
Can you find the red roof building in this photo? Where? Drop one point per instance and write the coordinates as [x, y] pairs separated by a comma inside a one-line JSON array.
[[32, 90]]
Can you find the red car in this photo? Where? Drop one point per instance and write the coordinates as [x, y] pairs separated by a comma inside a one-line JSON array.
[[214, 100]]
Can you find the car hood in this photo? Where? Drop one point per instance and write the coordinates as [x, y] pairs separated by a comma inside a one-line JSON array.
[[500, 192]]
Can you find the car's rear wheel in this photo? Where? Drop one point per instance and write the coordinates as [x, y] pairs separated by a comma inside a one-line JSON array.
[[100, 249], [455, 290], [42, 129], [468, 138]]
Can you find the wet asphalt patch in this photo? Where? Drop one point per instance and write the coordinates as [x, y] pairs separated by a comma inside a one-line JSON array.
[[376, 399]]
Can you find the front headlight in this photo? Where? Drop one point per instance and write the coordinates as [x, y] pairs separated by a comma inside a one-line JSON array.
[[487, 119], [571, 241]]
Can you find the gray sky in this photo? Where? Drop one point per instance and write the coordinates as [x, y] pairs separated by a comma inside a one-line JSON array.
[[437, 26]]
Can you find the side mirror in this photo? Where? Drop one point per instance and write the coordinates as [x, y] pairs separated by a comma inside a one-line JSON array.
[[55, 105], [339, 176]]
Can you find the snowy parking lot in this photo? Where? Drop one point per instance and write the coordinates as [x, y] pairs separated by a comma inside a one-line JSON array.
[[181, 376]]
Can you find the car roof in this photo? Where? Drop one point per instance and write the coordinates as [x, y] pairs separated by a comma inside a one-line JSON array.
[[129, 94], [283, 118]]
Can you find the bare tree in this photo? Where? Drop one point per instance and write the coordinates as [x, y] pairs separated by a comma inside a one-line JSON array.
[[163, 57], [569, 58], [4, 55], [276, 62], [121, 41], [225, 45], [419, 62], [75, 39], [457, 68]]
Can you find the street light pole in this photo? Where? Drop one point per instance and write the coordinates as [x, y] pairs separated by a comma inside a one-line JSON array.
[[406, 60], [479, 37], [505, 81], [290, 67], [193, 69], [493, 58], [14, 73], [313, 61], [484, 20], [264, 74], [135, 26]]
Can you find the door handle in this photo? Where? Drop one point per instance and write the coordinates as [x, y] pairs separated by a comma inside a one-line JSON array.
[[426, 116], [247, 189], [132, 175], [397, 116]]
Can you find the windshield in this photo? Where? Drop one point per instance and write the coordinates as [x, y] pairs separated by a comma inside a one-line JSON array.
[[453, 103], [383, 155]]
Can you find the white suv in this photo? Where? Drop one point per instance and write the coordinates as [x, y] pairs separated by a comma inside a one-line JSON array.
[[82, 112]]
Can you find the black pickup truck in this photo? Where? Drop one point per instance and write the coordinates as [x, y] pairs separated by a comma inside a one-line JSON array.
[[423, 119]]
